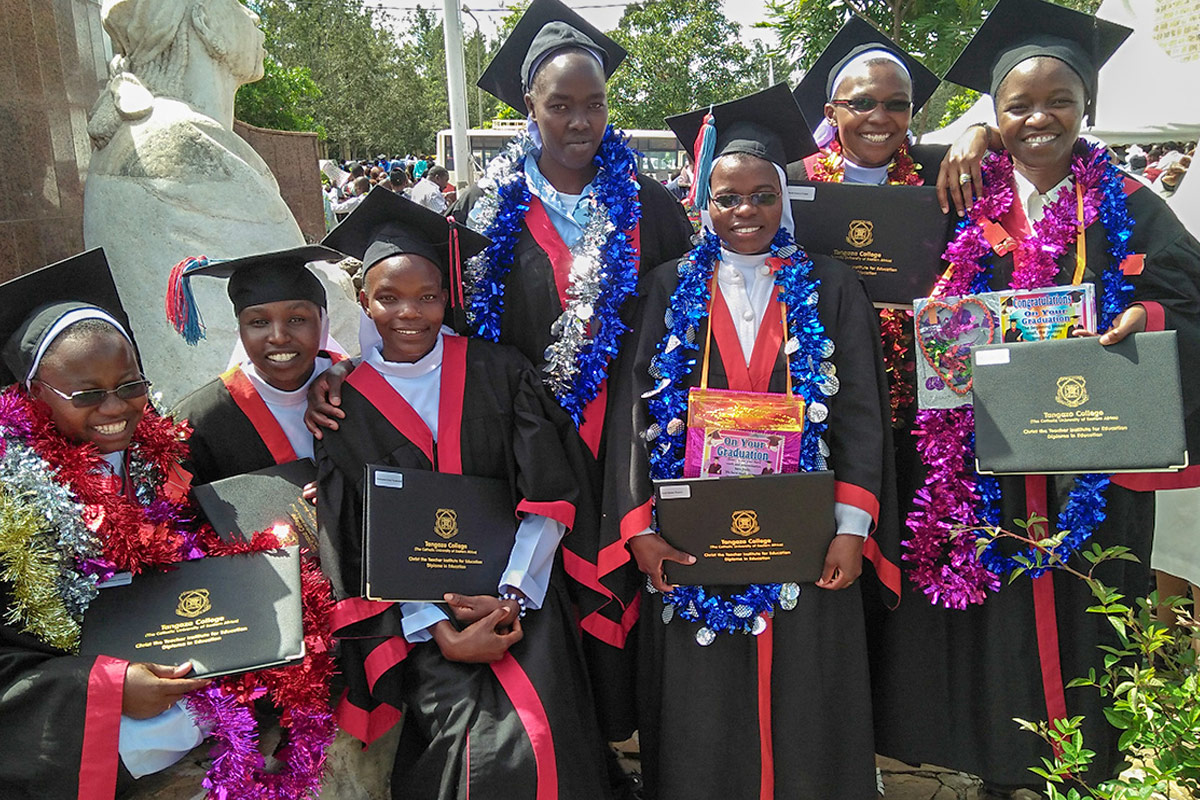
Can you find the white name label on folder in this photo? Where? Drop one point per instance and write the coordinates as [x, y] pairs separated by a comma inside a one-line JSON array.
[[682, 492], [389, 480], [990, 358], [802, 192]]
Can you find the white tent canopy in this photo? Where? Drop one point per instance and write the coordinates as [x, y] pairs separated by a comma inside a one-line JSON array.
[[1145, 96]]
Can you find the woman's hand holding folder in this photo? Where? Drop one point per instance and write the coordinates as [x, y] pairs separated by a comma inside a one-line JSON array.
[[481, 642], [650, 551]]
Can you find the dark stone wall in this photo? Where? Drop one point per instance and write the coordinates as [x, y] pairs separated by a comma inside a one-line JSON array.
[[52, 67], [293, 159]]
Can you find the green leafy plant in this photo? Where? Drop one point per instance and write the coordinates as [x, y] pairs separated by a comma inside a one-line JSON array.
[[1148, 678]]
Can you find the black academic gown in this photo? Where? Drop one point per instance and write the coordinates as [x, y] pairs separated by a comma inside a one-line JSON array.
[[603, 585], [232, 436], [699, 706], [44, 703], [928, 158], [464, 719], [948, 683]]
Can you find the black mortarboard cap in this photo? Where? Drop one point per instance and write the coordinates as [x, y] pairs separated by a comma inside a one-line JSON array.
[[271, 277], [856, 37], [81, 281], [386, 224], [546, 26], [253, 280], [1017, 30], [767, 124]]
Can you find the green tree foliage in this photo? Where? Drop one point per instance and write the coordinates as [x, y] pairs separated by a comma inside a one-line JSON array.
[[280, 99], [380, 80], [682, 54]]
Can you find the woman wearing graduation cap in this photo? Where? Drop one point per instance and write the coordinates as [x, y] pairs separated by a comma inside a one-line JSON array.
[[252, 415], [865, 89], [493, 686], [83, 460], [572, 224], [1053, 211], [783, 712]]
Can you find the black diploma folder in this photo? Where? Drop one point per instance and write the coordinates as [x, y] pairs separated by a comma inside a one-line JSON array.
[[760, 529], [428, 533], [225, 614], [892, 236], [242, 505], [1073, 405]]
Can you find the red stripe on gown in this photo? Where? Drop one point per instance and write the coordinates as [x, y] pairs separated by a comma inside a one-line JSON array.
[[525, 700], [395, 409], [102, 729], [450, 404], [353, 610], [887, 571], [544, 233], [255, 408], [1044, 613], [366, 726], [853, 495], [591, 430], [390, 652], [765, 642], [743, 381]]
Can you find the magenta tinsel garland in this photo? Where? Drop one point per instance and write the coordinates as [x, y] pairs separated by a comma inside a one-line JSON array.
[[945, 565], [946, 501]]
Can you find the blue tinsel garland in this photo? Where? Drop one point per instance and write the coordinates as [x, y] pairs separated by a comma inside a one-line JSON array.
[[1085, 507], [807, 349], [615, 191]]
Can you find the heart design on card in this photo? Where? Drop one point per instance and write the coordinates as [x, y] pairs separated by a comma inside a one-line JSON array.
[[948, 332]]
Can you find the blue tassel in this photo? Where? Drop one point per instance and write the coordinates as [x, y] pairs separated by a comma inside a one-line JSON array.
[[706, 147], [182, 311]]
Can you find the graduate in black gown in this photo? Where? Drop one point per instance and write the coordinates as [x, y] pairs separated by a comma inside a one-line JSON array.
[[870, 147], [949, 682], [576, 174], [493, 688], [782, 713], [252, 416], [861, 144], [75, 726]]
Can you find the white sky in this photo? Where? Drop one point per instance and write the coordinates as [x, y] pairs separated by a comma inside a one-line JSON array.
[[604, 14]]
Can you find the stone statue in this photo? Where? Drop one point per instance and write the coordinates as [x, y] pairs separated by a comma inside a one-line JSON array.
[[170, 179]]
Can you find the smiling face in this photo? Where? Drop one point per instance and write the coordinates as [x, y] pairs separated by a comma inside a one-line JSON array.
[[569, 103], [871, 138], [746, 228], [403, 295], [282, 340], [1039, 109], [98, 360]]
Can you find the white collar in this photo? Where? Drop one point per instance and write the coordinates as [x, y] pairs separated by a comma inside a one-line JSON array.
[[275, 396], [1034, 202], [416, 369], [869, 175], [116, 462], [735, 259]]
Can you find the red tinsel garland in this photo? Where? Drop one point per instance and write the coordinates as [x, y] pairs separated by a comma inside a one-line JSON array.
[[153, 525], [133, 538]]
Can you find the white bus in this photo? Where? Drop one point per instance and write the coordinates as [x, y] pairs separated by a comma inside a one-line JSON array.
[[660, 152]]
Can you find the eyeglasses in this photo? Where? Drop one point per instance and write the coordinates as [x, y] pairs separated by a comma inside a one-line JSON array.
[[94, 397], [728, 201], [864, 105]]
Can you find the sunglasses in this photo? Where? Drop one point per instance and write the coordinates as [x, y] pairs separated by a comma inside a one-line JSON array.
[[89, 398], [728, 201], [863, 105]]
